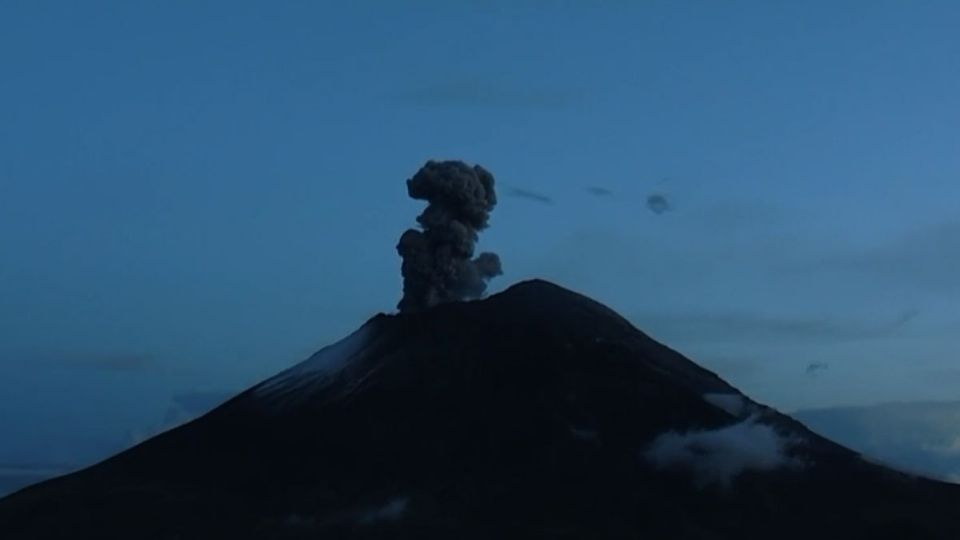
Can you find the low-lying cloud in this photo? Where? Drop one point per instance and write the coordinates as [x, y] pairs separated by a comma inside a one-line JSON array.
[[733, 404], [718, 456], [919, 437]]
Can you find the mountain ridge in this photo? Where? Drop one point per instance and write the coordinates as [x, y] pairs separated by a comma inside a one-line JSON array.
[[534, 412]]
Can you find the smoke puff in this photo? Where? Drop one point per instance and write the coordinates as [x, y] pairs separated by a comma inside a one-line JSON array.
[[488, 264], [438, 264], [658, 203], [814, 367]]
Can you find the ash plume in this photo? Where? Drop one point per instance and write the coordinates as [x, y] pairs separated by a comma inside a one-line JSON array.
[[438, 263]]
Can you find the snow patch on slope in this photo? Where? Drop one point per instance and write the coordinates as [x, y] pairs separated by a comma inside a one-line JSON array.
[[326, 363], [718, 456]]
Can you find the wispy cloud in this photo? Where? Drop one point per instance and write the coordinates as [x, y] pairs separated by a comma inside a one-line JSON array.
[[118, 362], [746, 326], [734, 404], [599, 191], [529, 195], [927, 258], [737, 215], [486, 92]]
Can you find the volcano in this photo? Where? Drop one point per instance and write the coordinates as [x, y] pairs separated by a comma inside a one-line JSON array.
[[534, 413]]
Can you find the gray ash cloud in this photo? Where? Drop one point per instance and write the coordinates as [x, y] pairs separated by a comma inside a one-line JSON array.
[[438, 261]]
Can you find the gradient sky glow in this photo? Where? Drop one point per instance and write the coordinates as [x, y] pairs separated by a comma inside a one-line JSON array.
[[195, 195]]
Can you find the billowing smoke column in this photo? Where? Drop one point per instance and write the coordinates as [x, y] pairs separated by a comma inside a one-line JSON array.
[[438, 264]]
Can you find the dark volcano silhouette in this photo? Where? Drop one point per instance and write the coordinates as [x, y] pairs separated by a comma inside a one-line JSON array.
[[536, 413]]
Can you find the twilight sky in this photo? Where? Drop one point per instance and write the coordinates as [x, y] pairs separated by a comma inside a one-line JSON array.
[[195, 195]]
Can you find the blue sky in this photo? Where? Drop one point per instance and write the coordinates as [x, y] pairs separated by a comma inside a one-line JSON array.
[[195, 195]]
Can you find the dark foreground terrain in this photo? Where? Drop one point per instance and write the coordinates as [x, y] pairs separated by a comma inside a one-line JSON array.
[[536, 413]]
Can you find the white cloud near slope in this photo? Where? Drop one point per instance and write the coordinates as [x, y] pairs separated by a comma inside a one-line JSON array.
[[718, 456]]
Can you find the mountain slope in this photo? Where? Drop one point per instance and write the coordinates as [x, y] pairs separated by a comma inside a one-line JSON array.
[[534, 413]]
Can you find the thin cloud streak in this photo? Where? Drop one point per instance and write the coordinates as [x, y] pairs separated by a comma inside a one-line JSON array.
[[926, 258], [529, 195], [107, 362], [479, 92], [734, 327]]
